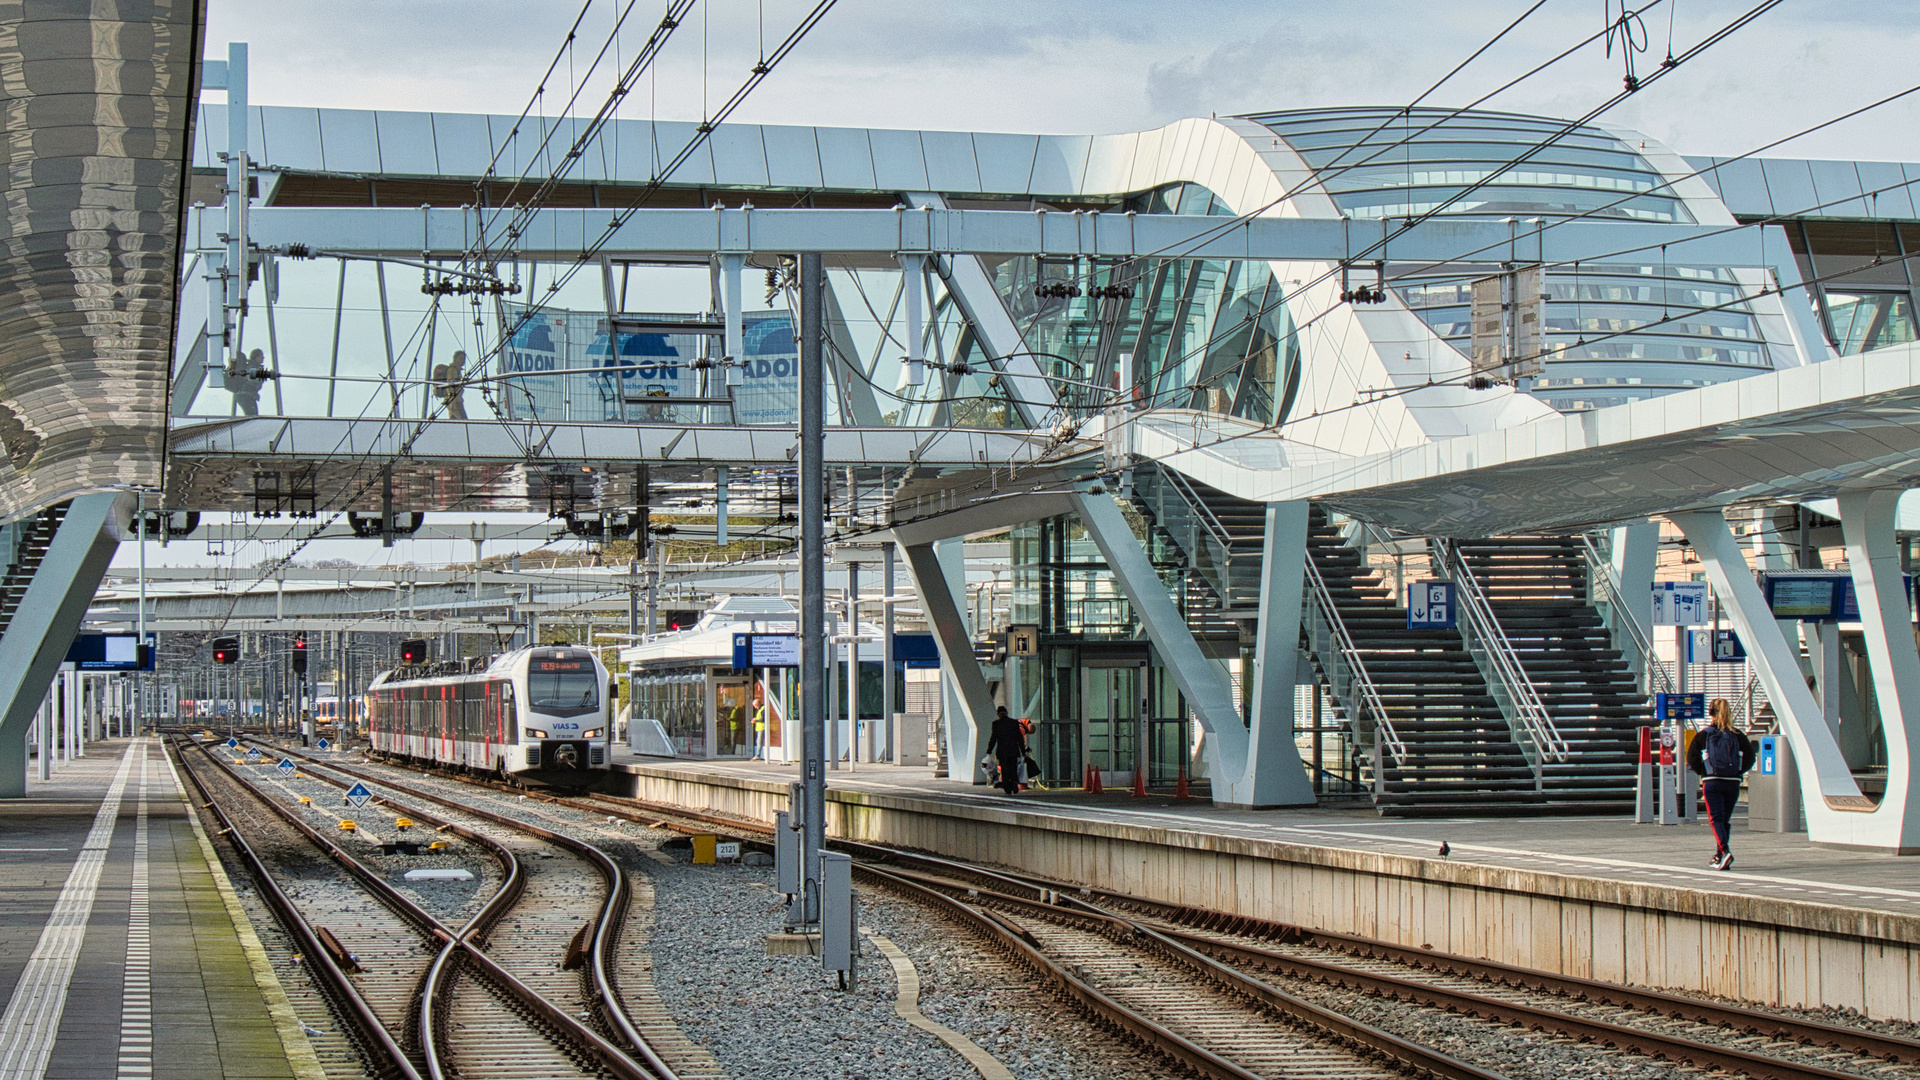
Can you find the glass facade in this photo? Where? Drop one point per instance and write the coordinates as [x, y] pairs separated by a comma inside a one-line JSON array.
[[678, 700], [1615, 331], [1202, 334], [1867, 299], [1583, 172]]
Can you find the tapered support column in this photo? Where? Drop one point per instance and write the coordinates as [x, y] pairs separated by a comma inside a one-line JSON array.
[[1208, 690], [1274, 775], [1886, 621], [36, 641], [939, 577], [1635, 551], [1837, 813]]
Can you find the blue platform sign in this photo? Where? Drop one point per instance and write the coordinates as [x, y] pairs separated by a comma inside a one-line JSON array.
[[324, 744], [358, 795], [1727, 648], [1769, 755], [233, 743], [1680, 706], [1430, 605], [286, 768], [253, 755]]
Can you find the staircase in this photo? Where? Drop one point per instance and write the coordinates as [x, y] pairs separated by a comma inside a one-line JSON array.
[[1460, 756], [1537, 588], [25, 544], [1211, 544]]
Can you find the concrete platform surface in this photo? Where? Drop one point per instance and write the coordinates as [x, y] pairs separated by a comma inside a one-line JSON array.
[[123, 952], [1774, 866]]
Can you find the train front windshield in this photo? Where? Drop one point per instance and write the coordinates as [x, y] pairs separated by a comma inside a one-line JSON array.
[[562, 687]]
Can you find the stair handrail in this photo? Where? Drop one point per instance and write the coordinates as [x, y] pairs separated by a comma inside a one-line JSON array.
[[1199, 508], [1323, 611], [1526, 713], [1220, 541], [1599, 569]]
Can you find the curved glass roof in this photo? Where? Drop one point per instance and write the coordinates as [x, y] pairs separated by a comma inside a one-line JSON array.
[[1390, 162]]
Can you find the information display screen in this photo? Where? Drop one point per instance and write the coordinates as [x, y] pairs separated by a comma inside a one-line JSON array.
[[774, 650], [1802, 597], [109, 652]]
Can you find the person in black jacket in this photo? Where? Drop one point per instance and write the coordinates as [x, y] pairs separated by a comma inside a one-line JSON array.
[[1008, 744], [1720, 755]]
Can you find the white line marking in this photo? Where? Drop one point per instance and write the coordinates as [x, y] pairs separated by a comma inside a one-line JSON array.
[[136, 1001], [32, 1019]]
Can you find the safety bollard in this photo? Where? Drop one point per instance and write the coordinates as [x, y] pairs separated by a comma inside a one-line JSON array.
[[1643, 784]]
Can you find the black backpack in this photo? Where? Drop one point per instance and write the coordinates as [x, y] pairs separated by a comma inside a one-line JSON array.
[[1722, 754]]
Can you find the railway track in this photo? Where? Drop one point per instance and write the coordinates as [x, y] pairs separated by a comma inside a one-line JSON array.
[[1671, 1027], [466, 1007]]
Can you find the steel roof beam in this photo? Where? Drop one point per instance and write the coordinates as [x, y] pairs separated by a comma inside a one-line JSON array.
[[563, 233]]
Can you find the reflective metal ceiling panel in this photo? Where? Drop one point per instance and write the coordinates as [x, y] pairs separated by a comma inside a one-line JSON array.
[[98, 97]]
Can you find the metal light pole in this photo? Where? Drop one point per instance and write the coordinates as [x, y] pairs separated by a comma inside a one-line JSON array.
[[813, 582], [853, 665], [140, 620]]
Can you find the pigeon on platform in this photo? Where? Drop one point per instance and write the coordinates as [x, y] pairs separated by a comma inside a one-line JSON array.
[[310, 1031], [1444, 849]]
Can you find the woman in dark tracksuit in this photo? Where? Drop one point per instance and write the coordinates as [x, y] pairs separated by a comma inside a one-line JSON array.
[[1720, 755]]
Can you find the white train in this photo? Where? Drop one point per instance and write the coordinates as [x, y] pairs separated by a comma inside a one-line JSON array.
[[541, 710]]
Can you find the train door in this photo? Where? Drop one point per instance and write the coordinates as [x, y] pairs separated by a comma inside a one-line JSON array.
[[1111, 718]]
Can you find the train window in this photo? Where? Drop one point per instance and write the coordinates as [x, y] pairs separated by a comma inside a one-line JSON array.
[[562, 687]]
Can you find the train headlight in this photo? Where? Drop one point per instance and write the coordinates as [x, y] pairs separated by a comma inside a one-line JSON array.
[[591, 734], [536, 734]]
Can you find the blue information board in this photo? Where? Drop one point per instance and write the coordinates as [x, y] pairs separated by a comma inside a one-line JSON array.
[[1430, 605], [1680, 706]]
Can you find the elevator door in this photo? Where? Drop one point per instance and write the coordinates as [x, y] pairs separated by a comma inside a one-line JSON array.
[[1112, 719]]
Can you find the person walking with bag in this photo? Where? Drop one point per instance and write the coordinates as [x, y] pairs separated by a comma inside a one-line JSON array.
[[1721, 755], [1008, 744]]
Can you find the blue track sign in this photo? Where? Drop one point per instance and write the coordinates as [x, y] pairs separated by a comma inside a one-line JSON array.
[[1430, 605], [233, 743], [286, 768], [1680, 706], [324, 745], [359, 796], [254, 755]]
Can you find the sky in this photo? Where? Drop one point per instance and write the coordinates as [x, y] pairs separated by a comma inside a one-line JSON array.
[[1081, 66], [1093, 66]]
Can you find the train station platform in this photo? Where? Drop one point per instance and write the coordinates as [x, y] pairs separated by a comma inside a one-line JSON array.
[[124, 952], [1598, 897]]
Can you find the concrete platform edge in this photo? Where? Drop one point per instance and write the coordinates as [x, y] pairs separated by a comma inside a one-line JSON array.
[[300, 1055], [1820, 918]]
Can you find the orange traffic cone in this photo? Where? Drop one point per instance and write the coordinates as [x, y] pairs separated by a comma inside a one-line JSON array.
[[1093, 780], [1180, 785], [1139, 781]]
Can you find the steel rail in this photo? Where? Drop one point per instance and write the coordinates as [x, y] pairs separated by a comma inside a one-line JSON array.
[[1363, 1038], [1021, 945], [453, 942], [1864, 1043], [606, 927], [334, 981], [1646, 1000]]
